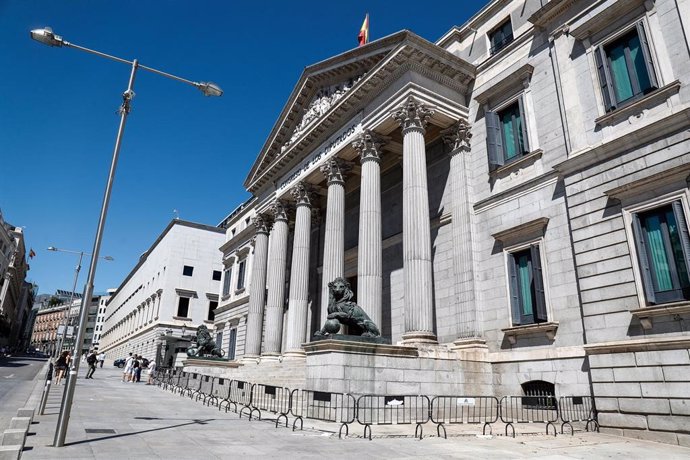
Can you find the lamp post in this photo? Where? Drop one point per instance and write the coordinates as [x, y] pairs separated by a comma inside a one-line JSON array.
[[68, 319], [47, 37]]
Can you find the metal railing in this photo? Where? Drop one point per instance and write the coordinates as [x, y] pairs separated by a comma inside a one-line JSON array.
[[269, 398], [193, 385], [449, 410], [529, 409], [325, 406], [205, 388], [577, 409], [181, 383], [219, 391], [389, 410], [239, 393]]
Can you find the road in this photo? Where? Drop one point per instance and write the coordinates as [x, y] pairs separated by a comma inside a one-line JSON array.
[[16, 382]]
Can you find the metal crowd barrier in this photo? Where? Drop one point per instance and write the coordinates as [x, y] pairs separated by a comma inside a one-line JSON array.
[[448, 410], [577, 409], [205, 388], [193, 385], [219, 391], [239, 393], [269, 398], [181, 383], [529, 409], [389, 410], [325, 406]]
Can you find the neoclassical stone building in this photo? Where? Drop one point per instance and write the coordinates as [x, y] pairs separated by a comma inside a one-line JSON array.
[[509, 204]]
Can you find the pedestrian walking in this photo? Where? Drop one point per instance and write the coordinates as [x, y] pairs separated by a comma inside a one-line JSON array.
[[91, 360], [151, 372], [128, 368], [61, 366], [101, 359], [136, 369]]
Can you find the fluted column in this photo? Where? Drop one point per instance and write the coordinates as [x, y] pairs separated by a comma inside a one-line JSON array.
[[299, 271], [335, 170], [369, 252], [257, 289], [419, 315], [277, 262], [458, 137]]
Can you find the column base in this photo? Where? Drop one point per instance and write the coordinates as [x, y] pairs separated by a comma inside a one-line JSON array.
[[250, 359], [294, 354], [419, 337], [469, 344], [270, 357]]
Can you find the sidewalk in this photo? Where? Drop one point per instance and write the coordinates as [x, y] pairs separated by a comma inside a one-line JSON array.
[[116, 420]]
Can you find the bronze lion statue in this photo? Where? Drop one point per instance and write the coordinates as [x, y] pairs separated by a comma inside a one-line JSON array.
[[343, 311], [205, 345]]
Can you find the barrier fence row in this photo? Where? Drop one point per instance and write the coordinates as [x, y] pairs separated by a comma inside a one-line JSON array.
[[254, 399]]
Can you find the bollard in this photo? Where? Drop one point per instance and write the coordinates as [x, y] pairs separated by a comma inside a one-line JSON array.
[[46, 390]]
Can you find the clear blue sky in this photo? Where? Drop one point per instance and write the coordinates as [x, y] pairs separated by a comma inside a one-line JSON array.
[[181, 150]]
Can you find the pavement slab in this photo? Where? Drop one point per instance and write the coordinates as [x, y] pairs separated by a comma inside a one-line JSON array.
[[151, 423]]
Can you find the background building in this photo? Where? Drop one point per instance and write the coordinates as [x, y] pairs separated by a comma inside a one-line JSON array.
[[170, 292], [16, 296]]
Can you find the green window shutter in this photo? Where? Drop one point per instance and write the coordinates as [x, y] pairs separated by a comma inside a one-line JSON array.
[[523, 124], [540, 313], [684, 232], [604, 78], [514, 291], [494, 142], [644, 44], [643, 259]]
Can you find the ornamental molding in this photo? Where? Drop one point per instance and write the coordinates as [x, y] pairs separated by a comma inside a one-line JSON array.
[[279, 208], [262, 224], [369, 146], [458, 136], [412, 115], [303, 194]]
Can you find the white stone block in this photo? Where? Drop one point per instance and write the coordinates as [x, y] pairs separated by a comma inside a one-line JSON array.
[[15, 437], [20, 423], [10, 452]]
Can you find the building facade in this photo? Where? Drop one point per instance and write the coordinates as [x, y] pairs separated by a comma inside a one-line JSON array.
[[509, 205], [167, 295], [16, 296]]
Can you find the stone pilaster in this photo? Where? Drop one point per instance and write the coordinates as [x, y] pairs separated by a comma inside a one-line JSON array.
[[458, 137], [257, 288], [369, 256], [413, 117], [299, 271], [335, 171], [277, 265]]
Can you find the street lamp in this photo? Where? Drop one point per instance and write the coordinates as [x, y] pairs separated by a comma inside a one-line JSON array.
[[68, 319], [47, 37]]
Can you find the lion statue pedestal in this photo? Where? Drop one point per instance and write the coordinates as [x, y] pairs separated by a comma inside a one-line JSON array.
[[342, 311]]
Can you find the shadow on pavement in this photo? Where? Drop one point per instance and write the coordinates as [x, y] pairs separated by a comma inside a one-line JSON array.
[[103, 438]]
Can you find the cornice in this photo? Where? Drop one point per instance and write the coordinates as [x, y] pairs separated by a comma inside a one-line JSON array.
[[472, 23], [550, 11], [514, 79]]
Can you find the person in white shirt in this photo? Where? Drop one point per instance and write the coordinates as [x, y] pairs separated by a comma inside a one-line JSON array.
[[152, 372], [101, 359], [127, 374]]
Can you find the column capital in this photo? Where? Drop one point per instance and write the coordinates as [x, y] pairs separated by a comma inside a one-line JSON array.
[[335, 170], [412, 115], [368, 144], [262, 224], [458, 137], [303, 194], [279, 208]]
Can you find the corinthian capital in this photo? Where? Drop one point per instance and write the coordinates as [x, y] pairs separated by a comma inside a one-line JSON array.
[[335, 170], [369, 144], [412, 115], [458, 136], [280, 210], [303, 194], [262, 224]]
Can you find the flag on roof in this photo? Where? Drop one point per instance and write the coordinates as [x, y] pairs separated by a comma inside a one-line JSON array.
[[363, 36], [32, 254]]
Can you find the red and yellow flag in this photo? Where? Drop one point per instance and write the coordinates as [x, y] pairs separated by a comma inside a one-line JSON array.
[[363, 36]]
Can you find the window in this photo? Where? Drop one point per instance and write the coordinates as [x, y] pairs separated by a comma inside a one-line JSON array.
[[187, 270], [226, 282], [216, 275], [527, 299], [240, 275], [539, 394], [506, 134], [232, 341], [183, 307], [212, 305], [219, 339], [625, 68], [500, 37], [663, 252]]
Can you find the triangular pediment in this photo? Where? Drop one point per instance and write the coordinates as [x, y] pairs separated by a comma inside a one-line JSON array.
[[338, 84]]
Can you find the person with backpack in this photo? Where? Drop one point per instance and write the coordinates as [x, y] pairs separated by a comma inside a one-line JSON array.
[[91, 360], [61, 366], [136, 369]]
